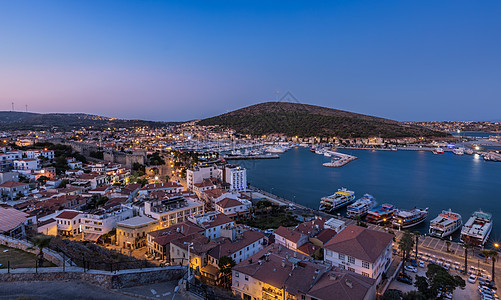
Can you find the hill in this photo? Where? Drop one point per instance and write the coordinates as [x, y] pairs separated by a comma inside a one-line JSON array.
[[293, 119], [14, 120]]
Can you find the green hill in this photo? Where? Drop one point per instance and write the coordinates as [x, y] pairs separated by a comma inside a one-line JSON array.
[[13, 120], [293, 119]]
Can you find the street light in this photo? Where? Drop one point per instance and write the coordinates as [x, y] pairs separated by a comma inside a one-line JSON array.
[[190, 246]]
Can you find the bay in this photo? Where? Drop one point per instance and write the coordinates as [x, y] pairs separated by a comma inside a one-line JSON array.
[[406, 179]]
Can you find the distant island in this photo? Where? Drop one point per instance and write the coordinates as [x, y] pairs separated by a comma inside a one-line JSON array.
[[303, 120], [14, 120]]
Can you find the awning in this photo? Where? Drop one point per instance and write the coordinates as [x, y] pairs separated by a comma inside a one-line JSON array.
[[91, 237]]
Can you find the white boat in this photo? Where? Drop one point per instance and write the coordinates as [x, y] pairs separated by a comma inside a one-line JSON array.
[[445, 224], [327, 154], [477, 229], [275, 149], [361, 207], [438, 151], [458, 151], [339, 199], [408, 218]]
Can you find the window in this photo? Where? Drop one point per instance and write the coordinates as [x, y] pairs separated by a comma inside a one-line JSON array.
[[246, 277], [340, 256], [351, 260], [237, 274], [351, 269], [365, 274], [365, 264]]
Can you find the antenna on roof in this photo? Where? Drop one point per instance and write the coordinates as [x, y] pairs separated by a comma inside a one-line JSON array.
[[12, 106]]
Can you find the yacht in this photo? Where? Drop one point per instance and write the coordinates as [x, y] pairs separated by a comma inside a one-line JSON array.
[[275, 149], [339, 199], [361, 207], [477, 229], [408, 218], [445, 224], [381, 214], [458, 151], [438, 151]]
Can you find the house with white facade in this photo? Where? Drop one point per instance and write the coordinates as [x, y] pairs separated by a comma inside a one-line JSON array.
[[68, 223], [233, 207], [27, 164], [10, 189], [103, 220], [212, 223], [364, 251]]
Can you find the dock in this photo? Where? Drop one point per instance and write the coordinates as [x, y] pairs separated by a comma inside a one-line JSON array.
[[342, 160], [238, 157]]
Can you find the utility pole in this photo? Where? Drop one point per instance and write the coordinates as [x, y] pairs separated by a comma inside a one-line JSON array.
[[26, 107], [12, 106]]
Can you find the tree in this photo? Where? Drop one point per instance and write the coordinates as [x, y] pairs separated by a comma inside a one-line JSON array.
[[391, 295], [226, 263], [41, 242], [448, 243], [437, 281], [492, 254], [405, 245], [42, 179], [414, 295], [466, 247], [417, 234]]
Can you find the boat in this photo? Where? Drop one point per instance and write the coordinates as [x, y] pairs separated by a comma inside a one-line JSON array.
[[381, 214], [361, 207], [458, 151], [339, 199], [327, 154], [276, 149], [477, 229], [445, 224], [409, 218], [438, 151]]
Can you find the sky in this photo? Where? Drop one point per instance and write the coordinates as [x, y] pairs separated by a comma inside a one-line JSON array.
[[184, 60]]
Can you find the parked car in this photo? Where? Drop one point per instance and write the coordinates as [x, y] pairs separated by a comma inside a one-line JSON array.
[[472, 278], [411, 269], [421, 264]]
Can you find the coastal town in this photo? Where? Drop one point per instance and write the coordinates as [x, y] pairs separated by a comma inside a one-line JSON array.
[[172, 200]]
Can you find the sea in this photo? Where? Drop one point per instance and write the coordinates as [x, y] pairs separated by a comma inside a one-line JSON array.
[[404, 178]]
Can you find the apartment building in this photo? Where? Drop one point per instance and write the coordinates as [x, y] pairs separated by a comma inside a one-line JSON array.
[[172, 210], [131, 233]]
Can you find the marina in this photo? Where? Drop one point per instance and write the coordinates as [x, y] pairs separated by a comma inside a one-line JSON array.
[[395, 177]]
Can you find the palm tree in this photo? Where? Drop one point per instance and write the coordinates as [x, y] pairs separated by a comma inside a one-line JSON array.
[[466, 247], [417, 234], [405, 245], [41, 242], [492, 254]]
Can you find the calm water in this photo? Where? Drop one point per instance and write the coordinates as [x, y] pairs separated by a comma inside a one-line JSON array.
[[403, 178]]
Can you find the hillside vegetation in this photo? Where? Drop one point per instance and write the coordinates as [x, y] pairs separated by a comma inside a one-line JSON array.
[[293, 119]]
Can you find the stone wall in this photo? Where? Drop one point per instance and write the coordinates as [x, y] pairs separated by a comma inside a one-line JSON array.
[[26, 246], [107, 280]]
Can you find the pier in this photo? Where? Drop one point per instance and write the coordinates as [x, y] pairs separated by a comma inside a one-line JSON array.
[[342, 159], [265, 156]]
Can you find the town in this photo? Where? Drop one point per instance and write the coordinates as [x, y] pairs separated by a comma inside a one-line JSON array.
[[152, 200]]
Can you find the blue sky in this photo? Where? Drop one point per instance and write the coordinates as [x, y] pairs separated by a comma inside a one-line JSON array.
[[181, 60]]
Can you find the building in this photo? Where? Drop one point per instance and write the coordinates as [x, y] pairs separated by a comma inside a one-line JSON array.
[[7, 159], [199, 247], [68, 223], [198, 174], [279, 273], [212, 223], [172, 210], [167, 187], [236, 177], [233, 207], [360, 250], [159, 240], [27, 164], [36, 153], [290, 238], [102, 220], [11, 189], [131, 233], [14, 223]]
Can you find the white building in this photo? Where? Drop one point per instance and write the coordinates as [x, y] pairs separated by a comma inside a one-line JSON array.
[[233, 207], [172, 210], [102, 221], [360, 250], [68, 223], [198, 174], [212, 223], [236, 176], [7, 159], [26, 164], [49, 154]]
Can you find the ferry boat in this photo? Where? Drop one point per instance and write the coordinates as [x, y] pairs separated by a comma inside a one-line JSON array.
[[339, 199], [445, 224], [408, 218], [477, 229], [438, 151], [381, 214], [361, 207]]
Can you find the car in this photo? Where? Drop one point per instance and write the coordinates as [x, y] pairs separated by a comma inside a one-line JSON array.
[[404, 280], [410, 269], [472, 278], [421, 264]]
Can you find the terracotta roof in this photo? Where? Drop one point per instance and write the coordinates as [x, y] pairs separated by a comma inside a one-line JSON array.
[[311, 227], [166, 185], [68, 215], [228, 202], [11, 184], [219, 219], [344, 284], [361, 243], [166, 235], [289, 234], [205, 183], [201, 244], [325, 235], [215, 193], [308, 248], [227, 247]]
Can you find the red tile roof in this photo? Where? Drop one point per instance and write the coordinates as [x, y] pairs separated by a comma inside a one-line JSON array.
[[228, 202], [68, 215], [361, 243], [289, 234], [10, 218], [11, 184], [227, 247]]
